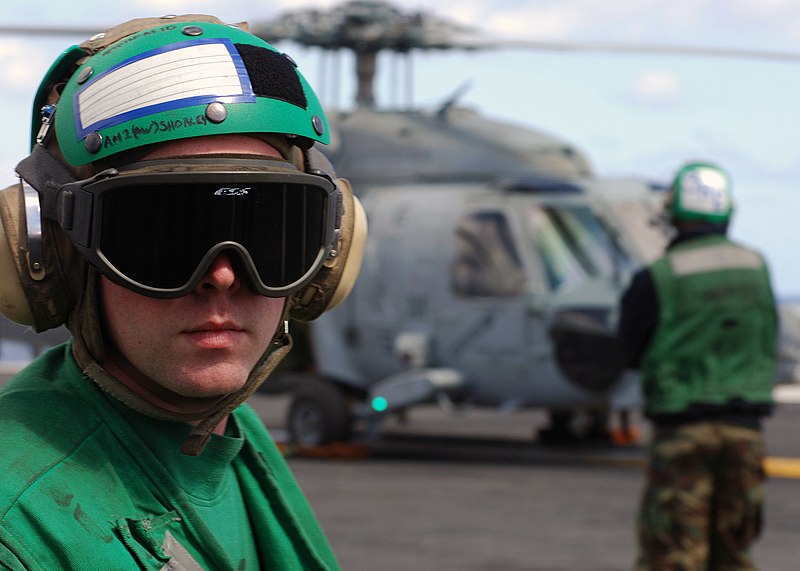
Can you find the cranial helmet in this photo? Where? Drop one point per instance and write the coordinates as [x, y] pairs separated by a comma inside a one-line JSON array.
[[296, 231], [151, 81], [701, 192]]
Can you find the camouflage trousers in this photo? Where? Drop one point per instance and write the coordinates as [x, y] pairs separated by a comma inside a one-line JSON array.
[[702, 504]]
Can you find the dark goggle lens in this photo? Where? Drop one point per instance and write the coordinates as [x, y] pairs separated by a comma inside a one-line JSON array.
[[158, 235]]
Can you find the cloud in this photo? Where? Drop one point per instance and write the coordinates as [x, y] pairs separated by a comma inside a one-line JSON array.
[[22, 67], [659, 88], [763, 9], [755, 23], [535, 22]]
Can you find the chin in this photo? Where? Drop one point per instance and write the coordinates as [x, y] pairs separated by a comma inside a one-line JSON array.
[[212, 383]]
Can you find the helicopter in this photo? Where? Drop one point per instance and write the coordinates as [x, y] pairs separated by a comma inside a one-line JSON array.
[[494, 262], [495, 258]]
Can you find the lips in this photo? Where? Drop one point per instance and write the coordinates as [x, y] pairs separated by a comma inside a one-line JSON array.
[[212, 335]]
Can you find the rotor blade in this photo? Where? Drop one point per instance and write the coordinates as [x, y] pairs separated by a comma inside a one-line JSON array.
[[470, 39], [479, 42], [48, 31]]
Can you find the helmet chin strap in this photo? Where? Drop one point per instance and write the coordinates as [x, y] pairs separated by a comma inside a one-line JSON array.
[[278, 349], [205, 413]]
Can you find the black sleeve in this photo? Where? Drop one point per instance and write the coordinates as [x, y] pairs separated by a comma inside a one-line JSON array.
[[638, 318]]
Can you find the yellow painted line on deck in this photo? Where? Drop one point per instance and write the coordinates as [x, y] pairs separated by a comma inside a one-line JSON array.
[[782, 467]]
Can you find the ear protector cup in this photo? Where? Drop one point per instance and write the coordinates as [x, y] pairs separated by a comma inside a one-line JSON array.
[[337, 277], [38, 293], [334, 282], [13, 302], [355, 255]]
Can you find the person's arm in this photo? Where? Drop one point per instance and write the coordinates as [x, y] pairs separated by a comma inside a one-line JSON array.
[[638, 318]]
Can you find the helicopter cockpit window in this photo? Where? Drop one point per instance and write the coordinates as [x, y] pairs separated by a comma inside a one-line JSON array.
[[572, 243], [486, 262]]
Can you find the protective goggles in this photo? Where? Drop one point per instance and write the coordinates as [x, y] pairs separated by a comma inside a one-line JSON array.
[[158, 233]]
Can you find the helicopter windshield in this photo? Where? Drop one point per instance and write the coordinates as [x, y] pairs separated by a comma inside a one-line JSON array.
[[573, 244], [486, 263], [638, 221]]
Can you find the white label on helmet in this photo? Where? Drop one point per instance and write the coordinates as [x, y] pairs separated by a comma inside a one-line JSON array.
[[706, 191], [171, 77]]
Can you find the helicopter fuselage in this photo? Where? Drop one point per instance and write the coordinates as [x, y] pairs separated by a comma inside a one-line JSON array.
[[491, 278]]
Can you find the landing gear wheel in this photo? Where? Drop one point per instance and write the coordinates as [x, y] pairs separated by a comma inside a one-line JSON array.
[[572, 427], [319, 414]]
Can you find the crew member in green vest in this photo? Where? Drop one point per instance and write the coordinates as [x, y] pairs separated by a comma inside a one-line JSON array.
[[174, 213], [701, 325]]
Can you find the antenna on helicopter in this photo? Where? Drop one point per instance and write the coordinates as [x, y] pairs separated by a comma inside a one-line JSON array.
[[453, 99]]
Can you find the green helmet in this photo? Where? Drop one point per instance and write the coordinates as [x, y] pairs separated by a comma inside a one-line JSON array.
[[701, 192], [176, 80]]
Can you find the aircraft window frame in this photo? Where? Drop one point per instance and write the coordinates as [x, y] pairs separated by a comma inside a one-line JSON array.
[[573, 243], [646, 239], [478, 270]]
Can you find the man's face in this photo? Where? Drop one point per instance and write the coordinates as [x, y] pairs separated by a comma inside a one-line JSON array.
[[199, 345], [205, 343]]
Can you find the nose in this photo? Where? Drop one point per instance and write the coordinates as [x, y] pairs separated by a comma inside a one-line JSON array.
[[221, 276]]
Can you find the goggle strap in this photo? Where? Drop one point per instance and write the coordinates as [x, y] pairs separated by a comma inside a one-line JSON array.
[[197, 440], [46, 174]]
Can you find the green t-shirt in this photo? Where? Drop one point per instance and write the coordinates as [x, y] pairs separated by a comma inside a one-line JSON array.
[[85, 487], [209, 480]]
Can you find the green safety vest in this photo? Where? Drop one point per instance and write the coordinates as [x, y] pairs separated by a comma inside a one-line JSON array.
[[716, 338], [80, 489]]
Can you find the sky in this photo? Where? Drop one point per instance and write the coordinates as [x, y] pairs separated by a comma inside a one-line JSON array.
[[639, 115]]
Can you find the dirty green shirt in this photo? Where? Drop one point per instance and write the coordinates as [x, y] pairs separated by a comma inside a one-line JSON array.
[[87, 485]]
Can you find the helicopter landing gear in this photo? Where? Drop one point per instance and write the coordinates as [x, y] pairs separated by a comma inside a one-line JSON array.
[[319, 414], [575, 427]]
